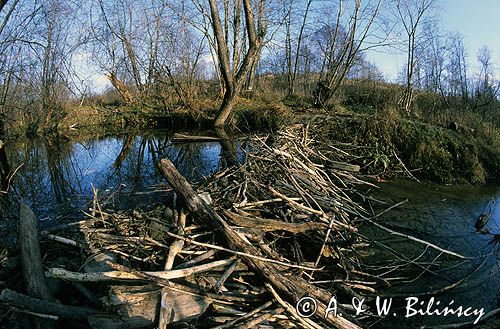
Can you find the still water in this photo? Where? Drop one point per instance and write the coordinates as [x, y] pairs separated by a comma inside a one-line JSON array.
[[445, 216], [56, 180]]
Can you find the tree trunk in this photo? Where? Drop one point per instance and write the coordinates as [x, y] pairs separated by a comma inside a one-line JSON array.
[[120, 87], [233, 81], [229, 152], [4, 168], [226, 108]]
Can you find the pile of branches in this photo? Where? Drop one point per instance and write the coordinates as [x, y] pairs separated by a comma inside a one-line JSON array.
[[241, 251]]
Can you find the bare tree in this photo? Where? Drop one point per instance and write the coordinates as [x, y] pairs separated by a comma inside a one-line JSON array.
[[181, 64], [6, 82], [4, 163], [293, 55], [433, 59], [234, 76], [114, 32], [487, 88], [340, 43], [458, 84], [411, 14]]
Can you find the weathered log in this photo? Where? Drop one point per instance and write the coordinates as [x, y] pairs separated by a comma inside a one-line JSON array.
[[167, 307], [36, 305], [30, 255], [138, 305], [124, 276], [343, 166], [293, 288], [181, 138], [270, 225]]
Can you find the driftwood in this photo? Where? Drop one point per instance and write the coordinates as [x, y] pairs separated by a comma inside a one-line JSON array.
[[138, 305], [181, 138], [269, 225], [124, 276], [344, 166], [36, 305], [292, 288], [168, 301], [30, 255]]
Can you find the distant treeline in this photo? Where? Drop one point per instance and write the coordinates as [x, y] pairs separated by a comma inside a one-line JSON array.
[[190, 53]]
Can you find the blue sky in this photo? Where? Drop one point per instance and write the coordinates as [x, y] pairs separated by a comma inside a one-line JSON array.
[[477, 20]]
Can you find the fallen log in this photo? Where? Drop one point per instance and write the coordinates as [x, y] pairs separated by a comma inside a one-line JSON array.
[[40, 306], [124, 276], [270, 225], [31, 258], [138, 305], [344, 166], [293, 288], [181, 138]]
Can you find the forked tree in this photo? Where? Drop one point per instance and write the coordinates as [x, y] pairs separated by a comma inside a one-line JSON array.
[[411, 15], [235, 76]]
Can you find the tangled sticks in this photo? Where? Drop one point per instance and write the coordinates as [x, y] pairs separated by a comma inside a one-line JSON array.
[[291, 212], [283, 225], [278, 193]]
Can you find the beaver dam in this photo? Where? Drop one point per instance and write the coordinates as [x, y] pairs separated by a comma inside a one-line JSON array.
[[281, 239]]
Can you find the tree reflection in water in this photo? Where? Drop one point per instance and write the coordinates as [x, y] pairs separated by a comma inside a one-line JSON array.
[[56, 176]]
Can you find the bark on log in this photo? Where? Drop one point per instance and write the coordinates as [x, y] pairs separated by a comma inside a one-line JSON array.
[[292, 288], [44, 307], [270, 225], [30, 255]]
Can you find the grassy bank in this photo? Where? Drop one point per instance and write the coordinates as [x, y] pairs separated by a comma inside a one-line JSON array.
[[363, 114], [247, 116], [397, 146]]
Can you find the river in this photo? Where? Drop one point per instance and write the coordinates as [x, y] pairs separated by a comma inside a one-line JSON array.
[[445, 216], [56, 178]]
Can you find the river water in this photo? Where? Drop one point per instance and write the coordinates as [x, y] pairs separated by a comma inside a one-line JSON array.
[[445, 216], [55, 179]]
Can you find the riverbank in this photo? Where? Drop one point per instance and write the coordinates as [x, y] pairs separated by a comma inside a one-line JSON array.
[[394, 146], [465, 152], [247, 116]]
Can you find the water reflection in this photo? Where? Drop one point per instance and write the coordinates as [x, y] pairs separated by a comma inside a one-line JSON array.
[[4, 169], [56, 176]]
